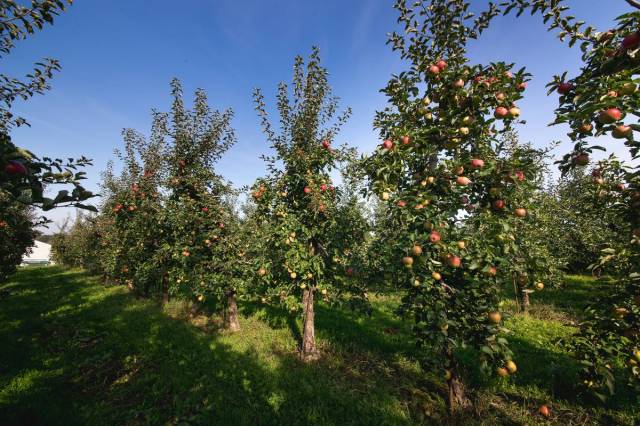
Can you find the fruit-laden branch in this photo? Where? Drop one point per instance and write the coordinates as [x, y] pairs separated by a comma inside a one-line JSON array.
[[634, 3]]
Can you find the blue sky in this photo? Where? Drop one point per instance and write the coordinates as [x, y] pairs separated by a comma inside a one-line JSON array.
[[118, 57]]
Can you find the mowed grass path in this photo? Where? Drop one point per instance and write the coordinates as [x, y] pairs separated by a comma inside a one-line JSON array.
[[75, 352]]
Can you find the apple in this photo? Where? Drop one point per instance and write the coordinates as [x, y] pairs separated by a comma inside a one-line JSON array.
[[453, 261], [407, 261], [416, 283], [544, 410], [463, 131], [200, 298], [416, 250], [221, 225], [498, 204], [386, 196], [620, 312], [564, 88], [585, 128], [458, 170], [323, 187], [387, 144], [522, 86], [467, 120], [293, 275], [492, 271], [434, 237], [431, 179], [501, 96], [262, 272], [520, 212], [622, 132], [461, 245], [307, 190], [349, 272], [477, 163], [495, 317], [636, 354], [132, 208], [186, 253], [628, 88], [436, 276], [502, 372], [323, 291], [205, 209], [441, 64], [519, 175], [326, 144], [501, 112], [514, 111], [426, 100], [447, 375], [14, 168], [511, 367], [405, 140], [402, 203], [582, 159], [610, 115], [463, 180], [539, 286], [631, 41], [434, 69], [458, 84]]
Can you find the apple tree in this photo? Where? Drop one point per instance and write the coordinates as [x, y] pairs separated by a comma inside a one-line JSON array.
[[439, 170], [603, 100], [202, 248], [306, 245]]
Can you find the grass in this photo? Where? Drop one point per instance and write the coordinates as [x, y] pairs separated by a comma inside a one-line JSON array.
[[75, 352]]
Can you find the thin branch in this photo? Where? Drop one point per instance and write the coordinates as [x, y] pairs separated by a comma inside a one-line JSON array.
[[634, 3]]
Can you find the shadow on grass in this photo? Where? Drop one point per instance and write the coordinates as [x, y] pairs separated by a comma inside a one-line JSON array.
[[77, 353]]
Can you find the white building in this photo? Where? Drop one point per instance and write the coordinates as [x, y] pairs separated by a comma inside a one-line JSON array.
[[40, 255]]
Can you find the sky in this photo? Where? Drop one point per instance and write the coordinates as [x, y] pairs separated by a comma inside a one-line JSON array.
[[118, 57]]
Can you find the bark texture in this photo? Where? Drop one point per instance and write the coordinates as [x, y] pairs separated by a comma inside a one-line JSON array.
[[232, 323], [457, 400], [309, 351]]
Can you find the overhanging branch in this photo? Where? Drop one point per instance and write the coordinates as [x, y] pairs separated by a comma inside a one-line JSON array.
[[634, 3]]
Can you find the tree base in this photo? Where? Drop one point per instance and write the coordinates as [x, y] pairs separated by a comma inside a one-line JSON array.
[[232, 322]]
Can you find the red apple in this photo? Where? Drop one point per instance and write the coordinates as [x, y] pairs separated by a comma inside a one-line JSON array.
[[434, 237], [495, 317], [564, 88], [323, 187], [416, 250], [610, 115], [307, 190], [402, 203], [441, 64], [221, 225], [492, 271], [522, 86], [501, 112], [433, 69], [519, 175], [14, 168], [477, 163], [458, 84], [582, 159], [463, 180], [453, 261], [205, 209], [631, 41], [405, 140], [326, 144], [544, 410], [585, 128], [498, 204], [621, 132], [520, 212], [387, 144]]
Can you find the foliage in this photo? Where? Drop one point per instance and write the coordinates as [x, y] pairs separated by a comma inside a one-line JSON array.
[[309, 234], [16, 234], [441, 173]]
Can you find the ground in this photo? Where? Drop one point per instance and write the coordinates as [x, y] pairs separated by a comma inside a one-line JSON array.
[[75, 352]]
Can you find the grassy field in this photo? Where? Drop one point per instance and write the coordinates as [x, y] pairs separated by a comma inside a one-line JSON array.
[[75, 352]]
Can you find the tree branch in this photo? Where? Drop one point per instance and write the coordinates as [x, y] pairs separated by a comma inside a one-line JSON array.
[[634, 3]]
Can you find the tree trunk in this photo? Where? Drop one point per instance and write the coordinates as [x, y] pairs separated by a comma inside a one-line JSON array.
[[165, 289], [309, 351], [457, 400], [232, 322], [524, 300]]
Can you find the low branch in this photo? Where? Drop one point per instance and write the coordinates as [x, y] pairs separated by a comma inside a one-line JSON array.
[[634, 3]]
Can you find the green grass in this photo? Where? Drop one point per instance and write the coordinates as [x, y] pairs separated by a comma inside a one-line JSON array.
[[75, 352]]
